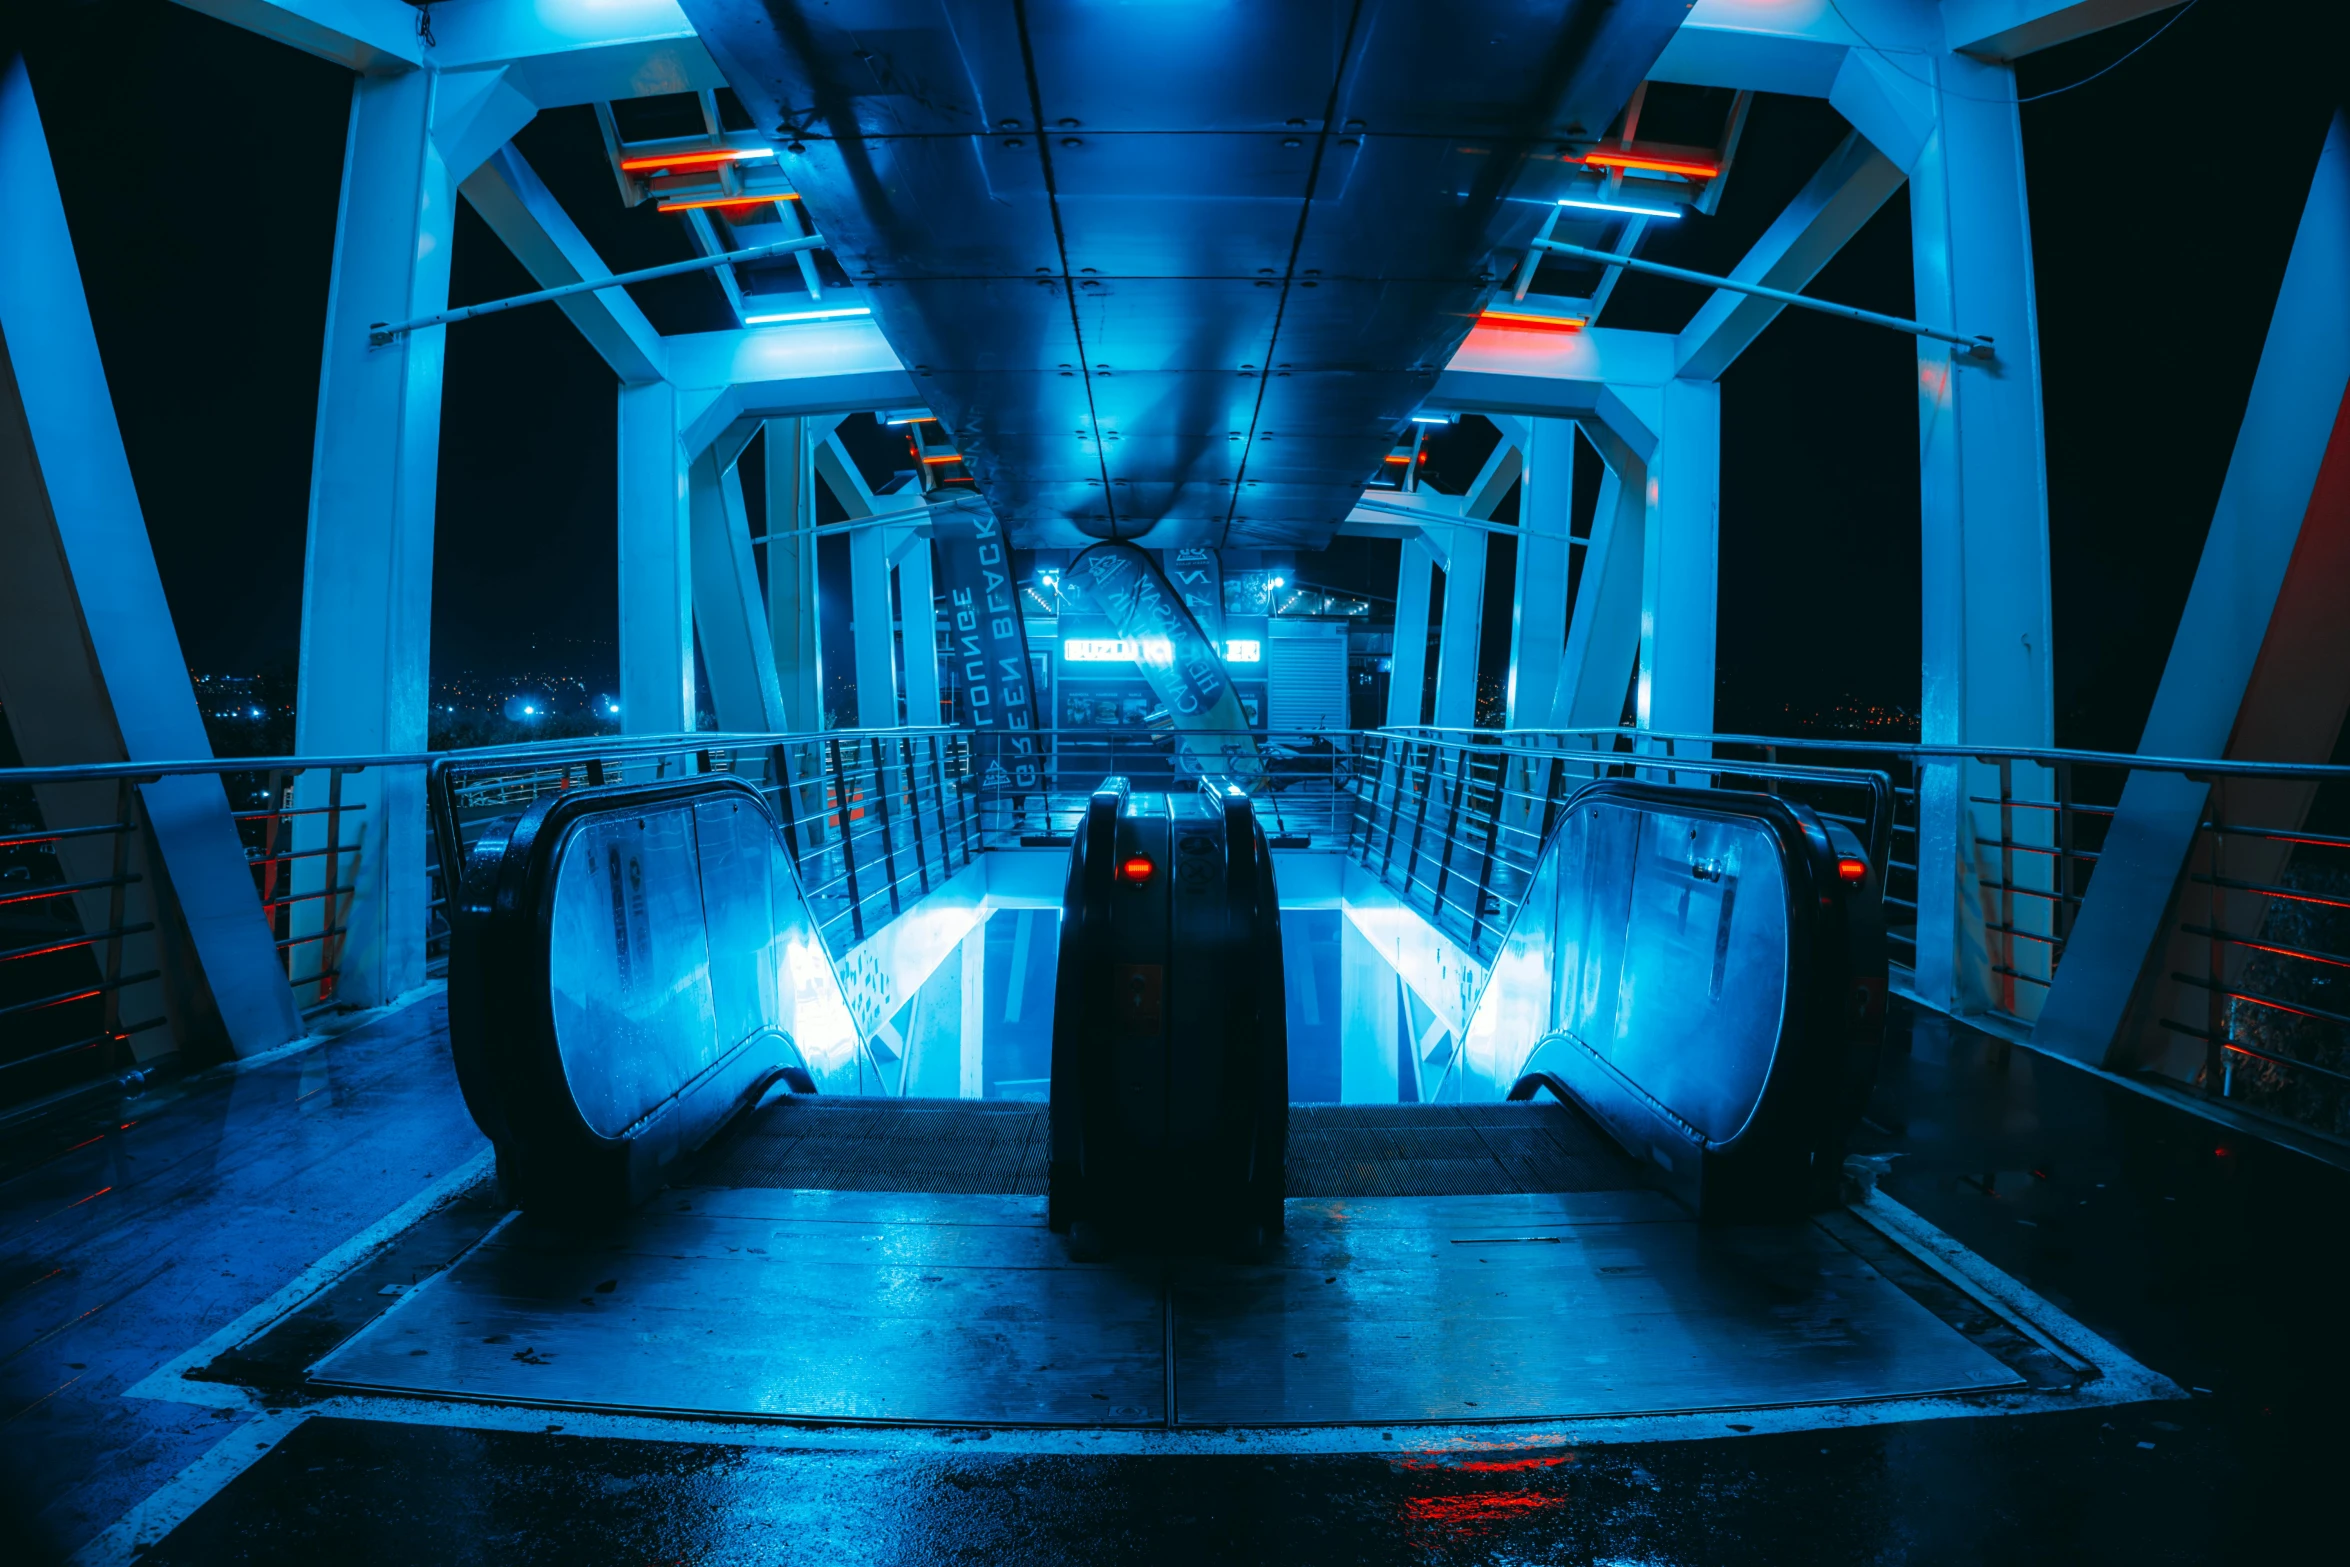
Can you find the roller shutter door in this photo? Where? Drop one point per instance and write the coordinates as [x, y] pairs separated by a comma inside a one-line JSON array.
[[1306, 677]]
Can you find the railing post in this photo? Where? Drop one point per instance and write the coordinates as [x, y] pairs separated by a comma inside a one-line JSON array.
[[2006, 947], [126, 804], [1485, 870], [848, 848], [2215, 999], [962, 809], [330, 927], [889, 848], [914, 808], [779, 764], [1452, 830]]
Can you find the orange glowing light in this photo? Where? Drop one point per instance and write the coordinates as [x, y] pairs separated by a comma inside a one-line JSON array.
[[1396, 457], [1136, 868], [727, 202], [1523, 321], [945, 457], [674, 161], [1650, 164], [1852, 868]]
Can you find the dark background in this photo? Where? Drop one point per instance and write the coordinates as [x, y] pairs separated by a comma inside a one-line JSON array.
[[200, 167]]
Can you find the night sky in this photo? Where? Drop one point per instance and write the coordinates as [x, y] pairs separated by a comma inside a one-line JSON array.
[[200, 168]]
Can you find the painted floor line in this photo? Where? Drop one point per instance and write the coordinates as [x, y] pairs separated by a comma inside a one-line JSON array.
[[1303, 1441], [2011, 1297], [173, 1503], [336, 1027], [169, 1380]]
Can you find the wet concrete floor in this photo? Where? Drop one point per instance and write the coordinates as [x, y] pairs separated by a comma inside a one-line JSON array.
[[2214, 1259]]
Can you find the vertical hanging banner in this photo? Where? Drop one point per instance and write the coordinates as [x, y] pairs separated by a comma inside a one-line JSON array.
[[988, 645], [1197, 576], [1182, 667]]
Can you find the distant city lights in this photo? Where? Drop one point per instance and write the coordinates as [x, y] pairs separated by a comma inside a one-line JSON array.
[[809, 315]]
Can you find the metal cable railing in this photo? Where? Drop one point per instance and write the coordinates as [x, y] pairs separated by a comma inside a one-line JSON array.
[[2252, 989], [1032, 788], [875, 818], [81, 974], [1453, 821]]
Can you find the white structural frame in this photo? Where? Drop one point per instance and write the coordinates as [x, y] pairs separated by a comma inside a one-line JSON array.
[[1927, 87]]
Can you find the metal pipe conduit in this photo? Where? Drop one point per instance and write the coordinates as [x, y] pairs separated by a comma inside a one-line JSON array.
[[381, 333], [1978, 347]]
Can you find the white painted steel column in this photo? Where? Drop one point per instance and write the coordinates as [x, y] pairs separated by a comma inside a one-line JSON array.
[[1603, 635], [367, 565], [870, 625], [1408, 664], [1983, 478], [918, 616], [90, 663], [728, 615], [1679, 571], [1538, 617], [656, 576], [1463, 630], [791, 574]]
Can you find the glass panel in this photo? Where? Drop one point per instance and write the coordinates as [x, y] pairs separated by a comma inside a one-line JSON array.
[[627, 966]]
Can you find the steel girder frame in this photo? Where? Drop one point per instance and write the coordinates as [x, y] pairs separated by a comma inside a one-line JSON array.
[[90, 663], [367, 563], [2259, 669]]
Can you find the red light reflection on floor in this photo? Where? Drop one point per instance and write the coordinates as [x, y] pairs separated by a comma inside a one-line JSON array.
[[1480, 1466], [1468, 1507]]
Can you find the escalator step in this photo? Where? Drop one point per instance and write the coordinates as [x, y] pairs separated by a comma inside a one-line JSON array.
[[950, 1145]]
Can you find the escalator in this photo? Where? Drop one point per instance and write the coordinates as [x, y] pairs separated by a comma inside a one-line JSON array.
[[712, 1220], [1698, 972], [1170, 1078]]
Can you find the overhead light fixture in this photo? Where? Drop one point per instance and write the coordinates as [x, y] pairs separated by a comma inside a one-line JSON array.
[[809, 315], [1527, 321], [912, 418], [945, 457], [708, 158], [1436, 419], [727, 203], [1617, 206], [1690, 168]]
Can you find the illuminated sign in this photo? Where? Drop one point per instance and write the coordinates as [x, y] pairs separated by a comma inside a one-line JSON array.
[[1121, 650]]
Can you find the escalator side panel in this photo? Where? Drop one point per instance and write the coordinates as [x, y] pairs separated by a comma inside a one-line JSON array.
[[1687, 965], [629, 968]]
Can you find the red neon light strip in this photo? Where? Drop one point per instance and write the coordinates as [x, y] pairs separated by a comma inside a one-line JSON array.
[[1641, 160], [945, 457], [682, 160], [1515, 320], [726, 201]]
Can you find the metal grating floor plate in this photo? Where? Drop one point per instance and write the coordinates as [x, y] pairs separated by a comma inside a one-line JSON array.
[[964, 1309]]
